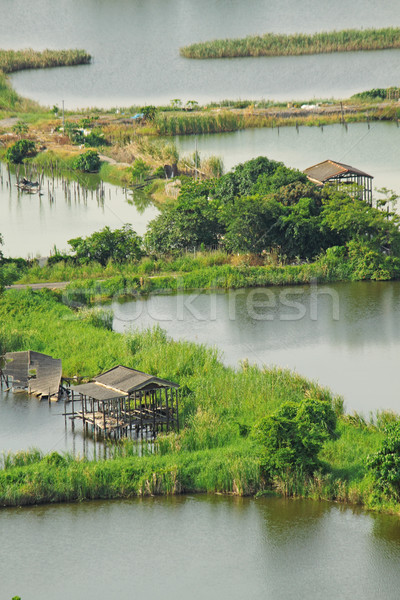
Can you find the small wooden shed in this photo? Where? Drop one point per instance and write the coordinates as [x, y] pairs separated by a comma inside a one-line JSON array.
[[344, 177], [34, 372], [123, 400]]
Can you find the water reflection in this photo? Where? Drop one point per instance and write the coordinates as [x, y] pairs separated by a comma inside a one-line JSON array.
[[33, 224]]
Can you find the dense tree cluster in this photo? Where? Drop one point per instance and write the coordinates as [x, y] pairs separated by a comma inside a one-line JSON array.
[[262, 206]]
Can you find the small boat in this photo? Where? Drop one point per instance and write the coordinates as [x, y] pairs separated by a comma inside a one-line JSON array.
[[28, 186]]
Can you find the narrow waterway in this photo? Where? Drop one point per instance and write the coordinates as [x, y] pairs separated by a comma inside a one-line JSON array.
[[198, 547], [345, 336]]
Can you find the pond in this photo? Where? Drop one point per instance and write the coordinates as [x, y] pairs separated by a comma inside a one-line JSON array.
[[198, 547], [32, 224], [135, 47]]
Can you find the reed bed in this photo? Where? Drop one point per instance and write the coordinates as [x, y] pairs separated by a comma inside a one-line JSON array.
[[186, 124], [17, 60], [271, 44]]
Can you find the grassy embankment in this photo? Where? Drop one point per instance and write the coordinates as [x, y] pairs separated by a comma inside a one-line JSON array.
[[271, 44], [215, 452], [208, 270]]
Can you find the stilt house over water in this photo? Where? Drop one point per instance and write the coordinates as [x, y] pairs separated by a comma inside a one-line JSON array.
[[346, 178], [124, 400]]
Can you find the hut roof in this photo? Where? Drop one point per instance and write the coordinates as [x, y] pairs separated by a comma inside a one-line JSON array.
[[121, 381], [329, 169], [48, 371]]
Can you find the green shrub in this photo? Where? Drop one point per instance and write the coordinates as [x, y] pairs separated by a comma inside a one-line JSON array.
[[385, 464], [22, 149], [88, 162], [293, 436]]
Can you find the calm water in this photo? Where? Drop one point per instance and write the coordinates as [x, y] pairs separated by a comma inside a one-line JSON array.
[[135, 46], [27, 422], [31, 224], [345, 336], [374, 149], [196, 548]]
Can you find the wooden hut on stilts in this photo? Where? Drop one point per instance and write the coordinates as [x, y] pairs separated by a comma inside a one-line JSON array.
[[124, 401], [345, 178]]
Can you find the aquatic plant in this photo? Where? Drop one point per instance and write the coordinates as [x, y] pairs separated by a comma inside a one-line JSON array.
[[17, 60], [271, 44]]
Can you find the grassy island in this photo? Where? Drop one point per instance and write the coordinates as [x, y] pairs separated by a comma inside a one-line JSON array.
[[18, 60], [271, 44], [229, 440]]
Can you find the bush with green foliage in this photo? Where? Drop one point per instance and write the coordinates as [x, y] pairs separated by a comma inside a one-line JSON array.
[[149, 112], [88, 162], [262, 206], [191, 221], [20, 150], [139, 170], [385, 463], [120, 245], [293, 436]]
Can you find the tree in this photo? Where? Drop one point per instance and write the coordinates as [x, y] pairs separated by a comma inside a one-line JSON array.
[[385, 463], [303, 233], [354, 219], [252, 224], [149, 112], [191, 104], [120, 245], [241, 181], [176, 103], [293, 436], [192, 221], [89, 162], [22, 149], [281, 176]]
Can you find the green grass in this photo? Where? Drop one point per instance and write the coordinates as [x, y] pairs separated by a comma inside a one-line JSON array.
[[11, 102], [186, 124], [271, 44], [206, 271], [220, 407]]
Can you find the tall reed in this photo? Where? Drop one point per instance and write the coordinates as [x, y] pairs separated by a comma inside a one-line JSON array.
[[17, 60], [271, 44]]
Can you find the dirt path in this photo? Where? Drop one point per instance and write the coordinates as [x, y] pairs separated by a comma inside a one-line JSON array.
[[9, 122], [59, 285]]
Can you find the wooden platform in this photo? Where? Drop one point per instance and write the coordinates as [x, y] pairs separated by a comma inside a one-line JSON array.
[[37, 373]]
